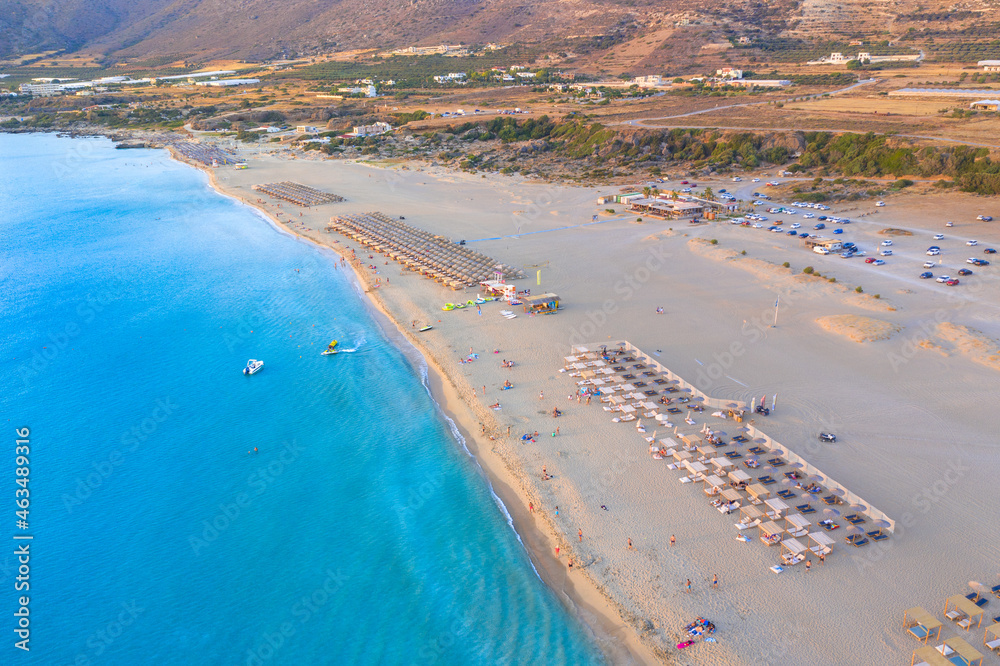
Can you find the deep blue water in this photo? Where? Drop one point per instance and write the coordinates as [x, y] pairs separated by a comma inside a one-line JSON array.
[[360, 532]]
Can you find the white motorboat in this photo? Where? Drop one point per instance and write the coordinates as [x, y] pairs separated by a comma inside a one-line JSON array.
[[253, 366]]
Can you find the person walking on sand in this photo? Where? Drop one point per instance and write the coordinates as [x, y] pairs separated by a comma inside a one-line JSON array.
[[557, 551], [531, 507], [715, 581], [541, 395], [822, 558], [557, 510], [571, 565], [809, 564], [673, 540], [688, 585], [630, 544], [579, 533]]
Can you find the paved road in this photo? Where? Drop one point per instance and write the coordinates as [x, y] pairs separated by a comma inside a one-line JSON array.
[[641, 122]]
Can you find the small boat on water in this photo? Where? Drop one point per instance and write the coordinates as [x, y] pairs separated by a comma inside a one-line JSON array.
[[330, 349], [253, 366]]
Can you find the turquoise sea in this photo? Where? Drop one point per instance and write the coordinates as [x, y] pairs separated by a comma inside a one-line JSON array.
[[322, 511]]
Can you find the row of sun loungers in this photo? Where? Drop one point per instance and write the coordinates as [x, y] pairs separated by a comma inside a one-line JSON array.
[[300, 195], [435, 257], [204, 153]]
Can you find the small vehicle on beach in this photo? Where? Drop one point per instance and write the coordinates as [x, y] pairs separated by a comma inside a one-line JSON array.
[[949, 224], [938, 236], [827, 437], [977, 262], [886, 243], [972, 242], [929, 264], [253, 366], [886, 252], [984, 218], [870, 260], [964, 271], [952, 282], [880, 204], [878, 262], [943, 278], [926, 275], [838, 231], [989, 250]]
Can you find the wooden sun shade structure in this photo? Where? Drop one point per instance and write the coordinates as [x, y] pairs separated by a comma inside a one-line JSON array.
[[954, 651], [921, 624]]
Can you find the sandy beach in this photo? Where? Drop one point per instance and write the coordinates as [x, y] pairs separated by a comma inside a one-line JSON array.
[[904, 379]]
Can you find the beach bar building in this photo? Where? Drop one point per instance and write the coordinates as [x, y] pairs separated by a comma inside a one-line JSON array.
[[830, 244], [921, 624], [665, 208], [541, 304]]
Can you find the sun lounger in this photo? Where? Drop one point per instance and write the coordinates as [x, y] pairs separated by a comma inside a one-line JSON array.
[[776, 462], [739, 438], [733, 455], [854, 519], [766, 481], [673, 410], [805, 508], [976, 599], [650, 393], [878, 535], [786, 494], [830, 499], [995, 589], [994, 645], [672, 389], [965, 623], [757, 451], [791, 560], [746, 526], [828, 525], [919, 630], [856, 540]]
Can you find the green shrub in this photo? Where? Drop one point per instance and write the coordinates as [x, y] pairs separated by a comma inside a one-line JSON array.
[[714, 242], [786, 265], [859, 289], [808, 270]]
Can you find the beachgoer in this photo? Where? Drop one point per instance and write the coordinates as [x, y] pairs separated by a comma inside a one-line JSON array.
[[822, 558], [557, 551], [688, 585], [557, 430], [571, 565], [579, 533], [630, 544], [531, 507], [809, 564], [715, 581], [557, 511], [541, 395], [673, 540]]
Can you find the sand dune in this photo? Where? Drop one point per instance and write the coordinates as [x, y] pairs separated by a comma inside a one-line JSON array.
[[970, 343], [858, 328]]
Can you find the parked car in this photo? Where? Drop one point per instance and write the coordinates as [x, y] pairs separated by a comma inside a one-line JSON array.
[[949, 224], [952, 282], [964, 271], [838, 231], [929, 264], [972, 242], [886, 243], [926, 274], [821, 217], [819, 226], [755, 180], [792, 232], [847, 255], [879, 203], [827, 437], [803, 235], [737, 179], [933, 252], [989, 250], [878, 262], [796, 225], [886, 252], [977, 262], [943, 278], [850, 246], [808, 216], [870, 260], [984, 218], [938, 236]]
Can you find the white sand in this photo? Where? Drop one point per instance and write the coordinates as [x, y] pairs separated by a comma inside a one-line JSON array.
[[916, 426]]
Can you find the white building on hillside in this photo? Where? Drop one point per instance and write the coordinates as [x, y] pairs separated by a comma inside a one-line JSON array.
[[729, 73], [990, 65]]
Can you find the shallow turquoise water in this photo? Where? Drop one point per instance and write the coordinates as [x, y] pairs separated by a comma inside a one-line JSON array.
[[360, 532]]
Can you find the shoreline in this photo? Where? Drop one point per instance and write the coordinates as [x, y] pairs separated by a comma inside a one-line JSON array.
[[578, 592]]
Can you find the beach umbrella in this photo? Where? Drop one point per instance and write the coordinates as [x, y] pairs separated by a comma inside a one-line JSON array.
[[796, 465], [818, 478], [760, 440], [721, 433], [854, 529], [732, 405], [978, 587], [833, 513], [789, 482], [777, 452], [839, 492], [881, 523], [858, 508]]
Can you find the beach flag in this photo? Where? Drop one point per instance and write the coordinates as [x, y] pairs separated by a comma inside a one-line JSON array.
[[774, 401], [538, 277]]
